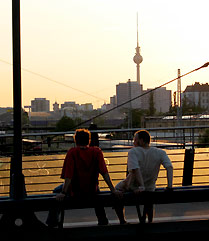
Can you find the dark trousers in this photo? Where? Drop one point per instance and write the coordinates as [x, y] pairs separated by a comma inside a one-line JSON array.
[[54, 214]]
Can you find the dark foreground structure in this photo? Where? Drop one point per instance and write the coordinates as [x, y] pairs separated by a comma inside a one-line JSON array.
[[154, 231], [19, 221]]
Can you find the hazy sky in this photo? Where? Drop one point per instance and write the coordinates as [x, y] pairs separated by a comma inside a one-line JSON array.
[[89, 45]]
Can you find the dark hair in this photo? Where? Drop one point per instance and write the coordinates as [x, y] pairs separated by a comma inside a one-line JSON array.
[[144, 135], [82, 137]]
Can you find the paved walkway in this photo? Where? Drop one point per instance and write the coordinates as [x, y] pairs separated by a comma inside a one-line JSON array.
[[163, 213]]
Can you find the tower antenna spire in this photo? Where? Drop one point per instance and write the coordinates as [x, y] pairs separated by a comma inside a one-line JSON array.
[[137, 29]]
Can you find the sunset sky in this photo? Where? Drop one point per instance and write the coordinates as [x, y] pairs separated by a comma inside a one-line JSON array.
[[88, 45]]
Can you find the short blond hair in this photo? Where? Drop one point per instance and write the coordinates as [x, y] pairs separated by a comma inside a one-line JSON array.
[[144, 135], [82, 137]]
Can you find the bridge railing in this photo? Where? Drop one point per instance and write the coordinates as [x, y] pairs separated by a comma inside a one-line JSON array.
[[42, 172]]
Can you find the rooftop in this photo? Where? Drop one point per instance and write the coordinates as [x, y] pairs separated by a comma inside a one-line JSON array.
[[197, 87]]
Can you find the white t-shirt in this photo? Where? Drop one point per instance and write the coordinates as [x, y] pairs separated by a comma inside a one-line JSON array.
[[148, 161]]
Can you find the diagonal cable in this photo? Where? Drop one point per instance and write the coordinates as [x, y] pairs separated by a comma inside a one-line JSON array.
[[126, 102]]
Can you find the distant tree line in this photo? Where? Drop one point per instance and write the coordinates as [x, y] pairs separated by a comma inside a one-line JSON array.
[[187, 108]]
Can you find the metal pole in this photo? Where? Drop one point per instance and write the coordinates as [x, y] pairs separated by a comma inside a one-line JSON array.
[[129, 111], [179, 112], [16, 185], [188, 167]]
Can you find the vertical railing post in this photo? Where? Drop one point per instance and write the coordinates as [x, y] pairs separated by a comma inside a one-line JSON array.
[[184, 139], [17, 186], [193, 140], [188, 167]]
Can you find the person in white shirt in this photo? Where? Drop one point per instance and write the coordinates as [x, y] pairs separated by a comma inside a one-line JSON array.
[[143, 165]]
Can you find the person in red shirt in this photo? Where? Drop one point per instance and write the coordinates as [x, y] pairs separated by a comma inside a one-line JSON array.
[[82, 166], [81, 169]]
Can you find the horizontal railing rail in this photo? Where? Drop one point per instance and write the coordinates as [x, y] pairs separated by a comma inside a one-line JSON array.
[[42, 173], [42, 169], [157, 129]]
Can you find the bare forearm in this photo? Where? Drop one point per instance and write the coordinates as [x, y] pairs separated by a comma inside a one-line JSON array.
[[60, 196], [170, 176], [109, 182], [66, 185]]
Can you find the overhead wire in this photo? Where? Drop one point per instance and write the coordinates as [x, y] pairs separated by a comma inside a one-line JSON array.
[[55, 81], [139, 96]]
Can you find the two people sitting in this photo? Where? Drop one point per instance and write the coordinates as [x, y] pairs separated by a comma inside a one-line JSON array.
[[84, 163]]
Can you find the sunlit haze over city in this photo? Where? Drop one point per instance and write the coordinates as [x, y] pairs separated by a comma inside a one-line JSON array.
[[79, 50]]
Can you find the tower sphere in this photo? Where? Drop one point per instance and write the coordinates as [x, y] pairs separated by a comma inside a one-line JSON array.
[[137, 59]]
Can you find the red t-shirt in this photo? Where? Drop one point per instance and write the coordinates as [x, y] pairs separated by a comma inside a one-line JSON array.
[[82, 166]]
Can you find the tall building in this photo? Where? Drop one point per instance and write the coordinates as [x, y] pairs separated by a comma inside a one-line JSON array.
[[161, 99], [197, 94], [127, 91], [40, 105]]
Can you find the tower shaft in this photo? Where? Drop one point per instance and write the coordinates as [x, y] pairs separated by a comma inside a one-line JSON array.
[[138, 73]]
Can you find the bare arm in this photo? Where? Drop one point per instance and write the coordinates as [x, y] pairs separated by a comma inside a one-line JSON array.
[[169, 168], [170, 176], [66, 185], [107, 179], [65, 189], [109, 182]]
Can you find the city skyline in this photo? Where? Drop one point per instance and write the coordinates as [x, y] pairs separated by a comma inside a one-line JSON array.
[[121, 97], [92, 51]]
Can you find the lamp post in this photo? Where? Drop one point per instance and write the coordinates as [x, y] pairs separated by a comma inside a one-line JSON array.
[[17, 187]]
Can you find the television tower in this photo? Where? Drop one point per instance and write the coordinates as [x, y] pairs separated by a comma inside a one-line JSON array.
[[138, 58]]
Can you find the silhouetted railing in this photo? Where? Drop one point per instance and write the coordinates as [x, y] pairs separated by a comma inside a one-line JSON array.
[[42, 168]]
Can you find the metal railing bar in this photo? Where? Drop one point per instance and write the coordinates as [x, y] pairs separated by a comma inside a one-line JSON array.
[[110, 157], [201, 175], [41, 183], [176, 154], [38, 168], [199, 160], [51, 175], [117, 164], [198, 168], [111, 130], [45, 160], [194, 183], [112, 172], [5, 185], [2, 178], [5, 162], [40, 191], [1, 193], [178, 161], [5, 170], [166, 177]]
